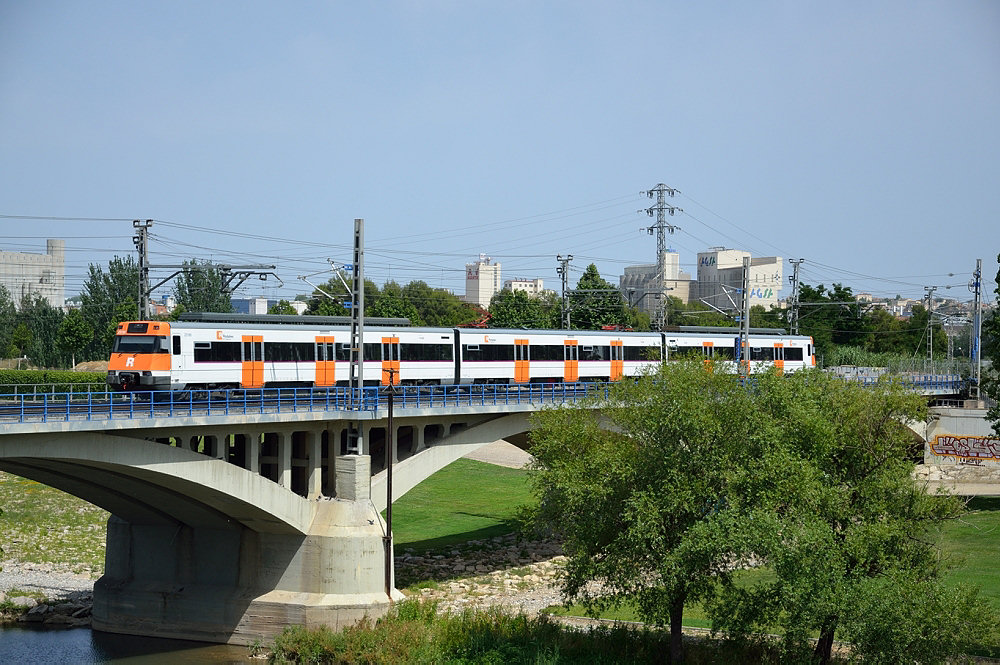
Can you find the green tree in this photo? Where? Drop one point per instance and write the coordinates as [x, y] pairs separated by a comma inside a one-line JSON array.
[[43, 320], [8, 321], [105, 297], [390, 303], [596, 303], [21, 339], [74, 335], [639, 500], [438, 308], [282, 307], [330, 298], [199, 288], [991, 352], [833, 511], [518, 309]]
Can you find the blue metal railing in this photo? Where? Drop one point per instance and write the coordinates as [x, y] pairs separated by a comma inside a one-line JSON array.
[[64, 407]]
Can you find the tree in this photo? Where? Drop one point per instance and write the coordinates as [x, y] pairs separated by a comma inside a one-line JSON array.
[[833, 511], [518, 309], [200, 288], [991, 351], [282, 307], [639, 509], [390, 303], [596, 303], [688, 476], [74, 334], [8, 321], [43, 320], [330, 298], [438, 308], [105, 297]]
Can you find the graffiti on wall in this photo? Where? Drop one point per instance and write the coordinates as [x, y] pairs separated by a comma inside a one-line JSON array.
[[968, 449]]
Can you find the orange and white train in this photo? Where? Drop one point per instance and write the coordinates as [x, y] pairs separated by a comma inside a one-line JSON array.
[[195, 355]]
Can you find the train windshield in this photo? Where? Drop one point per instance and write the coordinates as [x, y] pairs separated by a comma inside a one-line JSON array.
[[140, 344]]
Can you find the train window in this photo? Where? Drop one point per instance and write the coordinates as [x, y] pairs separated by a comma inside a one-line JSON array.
[[594, 353], [642, 353], [343, 351], [547, 352], [137, 328], [290, 352], [140, 344], [426, 352], [723, 352], [792, 353], [177, 345], [765, 354], [487, 352], [372, 351], [217, 352]]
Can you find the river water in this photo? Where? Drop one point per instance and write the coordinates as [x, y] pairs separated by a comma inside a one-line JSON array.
[[83, 646]]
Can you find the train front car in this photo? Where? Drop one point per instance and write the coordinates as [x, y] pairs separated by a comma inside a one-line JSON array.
[[140, 357]]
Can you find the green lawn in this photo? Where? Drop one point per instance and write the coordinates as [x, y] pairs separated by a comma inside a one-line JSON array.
[[971, 548], [466, 500]]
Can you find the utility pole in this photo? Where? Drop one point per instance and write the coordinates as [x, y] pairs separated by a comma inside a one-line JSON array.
[[661, 210], [141, 241], [976, 286], [930, 325], [745, 321], [357, 379], [563, 271], [793, 317], [390, 438]]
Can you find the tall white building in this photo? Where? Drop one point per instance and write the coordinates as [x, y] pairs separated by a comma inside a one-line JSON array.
[[720, 275], [42, 274], [482, 281]]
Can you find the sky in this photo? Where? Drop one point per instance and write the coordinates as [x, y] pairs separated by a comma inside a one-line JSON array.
[[862, 137]]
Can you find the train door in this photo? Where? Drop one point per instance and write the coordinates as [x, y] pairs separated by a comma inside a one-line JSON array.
[[522, 366], [253, 361], [706, 350], [617, 360], [779, 356], [325, 361], [571, 356], [390, 360]]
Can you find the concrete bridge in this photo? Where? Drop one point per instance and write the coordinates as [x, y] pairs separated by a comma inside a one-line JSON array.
[[234, 518], [235, 515]]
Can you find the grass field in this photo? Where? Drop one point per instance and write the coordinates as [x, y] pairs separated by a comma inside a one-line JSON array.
[[43, 525]]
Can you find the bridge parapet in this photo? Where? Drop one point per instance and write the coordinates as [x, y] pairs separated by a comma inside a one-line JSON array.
[[961, 451]]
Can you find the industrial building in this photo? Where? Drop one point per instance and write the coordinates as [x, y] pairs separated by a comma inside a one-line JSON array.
[[26, 274]]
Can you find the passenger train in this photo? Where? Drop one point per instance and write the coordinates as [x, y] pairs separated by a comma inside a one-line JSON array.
[[198, 355]]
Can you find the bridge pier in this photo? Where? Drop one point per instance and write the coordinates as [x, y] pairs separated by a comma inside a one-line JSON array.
[[235, 584]]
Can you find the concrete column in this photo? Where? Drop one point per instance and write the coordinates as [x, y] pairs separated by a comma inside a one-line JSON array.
[[354, 477], [418, 438], [252, 461], [314, 446], [285, 459], [364, 430]]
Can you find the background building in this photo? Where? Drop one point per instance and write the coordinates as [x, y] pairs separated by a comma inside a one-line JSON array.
[[482, 281], [720, 275], [533, 287], [643, 286], [42, 274]]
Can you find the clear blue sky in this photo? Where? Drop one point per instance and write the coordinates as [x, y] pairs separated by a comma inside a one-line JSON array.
[[863, 137]]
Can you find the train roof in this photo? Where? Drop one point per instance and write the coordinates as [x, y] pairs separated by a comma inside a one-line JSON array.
[[290, 319]]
